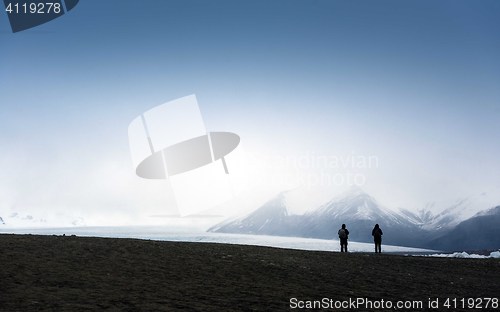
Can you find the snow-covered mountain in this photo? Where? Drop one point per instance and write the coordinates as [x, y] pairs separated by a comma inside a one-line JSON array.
[[27, 220], [422, 217], [355, 208], [356, 205], [360, 212], [272, 218], [482, 231], [449, 217], [455, 212]]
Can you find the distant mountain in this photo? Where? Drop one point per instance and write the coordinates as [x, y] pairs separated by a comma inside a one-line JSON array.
[[272, 218], [479, 232], [360, 212], [355, 208], [460, 210], [449, 217], [25, 220], [420, 218]]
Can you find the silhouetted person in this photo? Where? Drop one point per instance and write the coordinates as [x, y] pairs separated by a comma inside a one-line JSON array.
[[377, 238], [343, 236]]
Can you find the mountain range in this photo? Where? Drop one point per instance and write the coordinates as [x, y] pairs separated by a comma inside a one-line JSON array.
[[25, 220], [480, 232], [360, 212]]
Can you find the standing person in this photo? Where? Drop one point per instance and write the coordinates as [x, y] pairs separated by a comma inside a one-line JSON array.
[[377, 238], [343, 236]]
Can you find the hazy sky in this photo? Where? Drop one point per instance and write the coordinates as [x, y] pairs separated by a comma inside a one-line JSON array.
[[412, 86]]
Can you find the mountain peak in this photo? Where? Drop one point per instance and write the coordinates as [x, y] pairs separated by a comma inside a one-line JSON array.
[[353, 194], [489, 212], [276, 204], [271, 218], [355, 205], [421, 217], [360, 212], [354, 190]]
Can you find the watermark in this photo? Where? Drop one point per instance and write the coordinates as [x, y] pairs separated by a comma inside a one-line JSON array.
[[311, 169], [311, 160], [170, 142], [318, 179], [355, 303], [382, 304], [26, 14]]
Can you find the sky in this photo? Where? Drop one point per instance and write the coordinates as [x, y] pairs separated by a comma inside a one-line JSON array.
[[400, 98]]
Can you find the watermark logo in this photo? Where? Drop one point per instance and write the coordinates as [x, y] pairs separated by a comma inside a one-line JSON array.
[[170, 142], [26, 14], [313, 169]]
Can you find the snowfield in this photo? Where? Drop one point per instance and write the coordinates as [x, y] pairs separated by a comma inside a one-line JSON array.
[[463, 254], [160, 233], [313, 244]]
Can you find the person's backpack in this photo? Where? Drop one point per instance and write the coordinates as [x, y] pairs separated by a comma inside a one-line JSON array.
[[342, 234]]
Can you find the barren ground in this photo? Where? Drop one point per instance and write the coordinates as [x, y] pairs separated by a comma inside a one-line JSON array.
[[79, 273]]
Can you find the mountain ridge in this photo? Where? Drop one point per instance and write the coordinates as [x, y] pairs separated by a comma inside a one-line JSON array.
[[481, 232], [360, 212]]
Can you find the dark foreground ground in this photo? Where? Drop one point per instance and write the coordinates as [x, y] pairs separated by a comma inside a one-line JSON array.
[[58, 273]]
